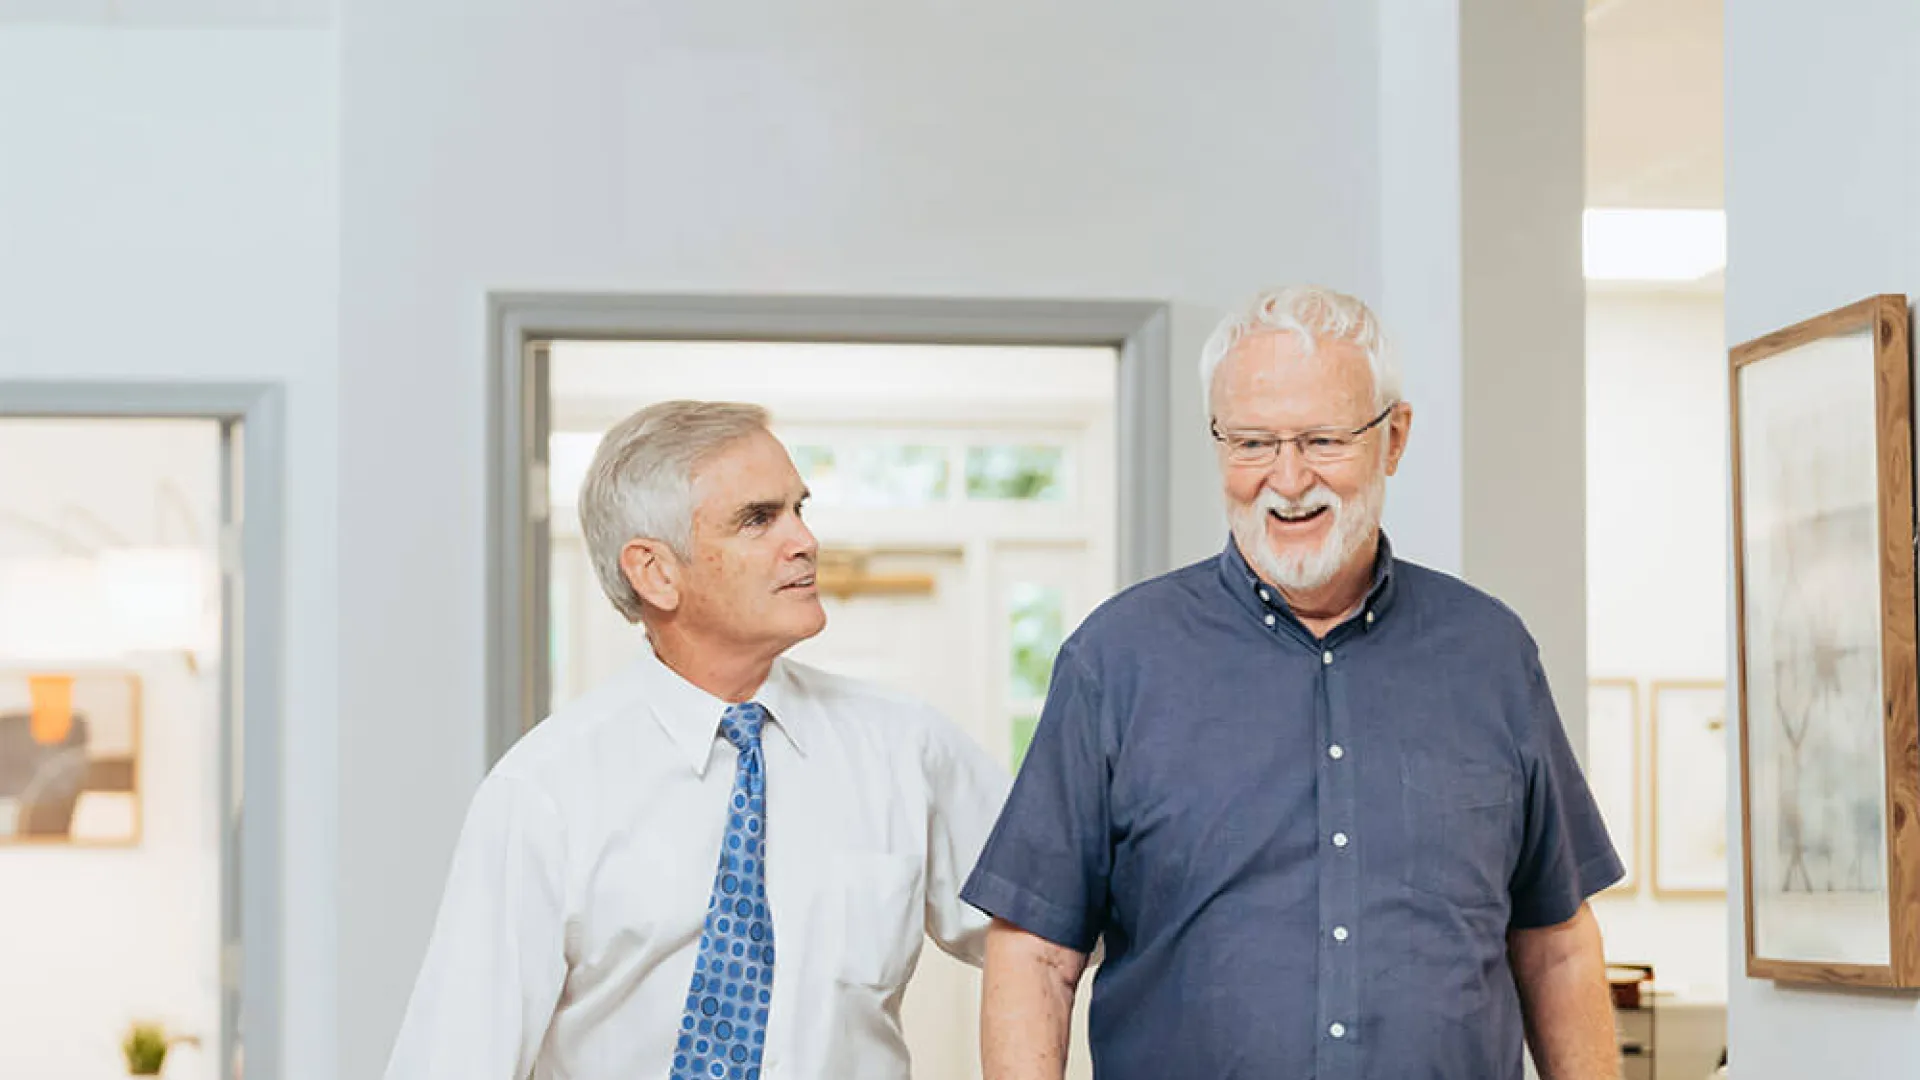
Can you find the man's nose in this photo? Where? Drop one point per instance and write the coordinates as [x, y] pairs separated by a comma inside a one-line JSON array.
[[803, 544], [1290, 475]]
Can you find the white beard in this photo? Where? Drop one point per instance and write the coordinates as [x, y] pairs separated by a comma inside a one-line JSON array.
[[1354, 523]]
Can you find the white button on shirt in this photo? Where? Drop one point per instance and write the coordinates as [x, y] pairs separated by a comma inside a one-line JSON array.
[[566, 940]]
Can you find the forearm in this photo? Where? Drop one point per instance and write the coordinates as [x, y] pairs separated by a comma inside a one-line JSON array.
[[1561, 975], [1026, 1006]]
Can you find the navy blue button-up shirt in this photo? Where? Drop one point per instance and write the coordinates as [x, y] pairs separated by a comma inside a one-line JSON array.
[[1304, 855]]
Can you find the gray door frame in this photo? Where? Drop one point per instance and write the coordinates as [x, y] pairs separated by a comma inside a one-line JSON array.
[[250, 860], [519, 322]]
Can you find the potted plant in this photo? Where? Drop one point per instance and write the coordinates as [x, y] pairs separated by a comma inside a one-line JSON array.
[[146, 1044]]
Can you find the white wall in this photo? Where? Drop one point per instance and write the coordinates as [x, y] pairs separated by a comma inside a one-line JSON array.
[[1522, 186], [167, 210], [998, 149], [1656, 485], [1656, 566], [96, 938], [1422, 265], [1821, 160], [1480, 196]]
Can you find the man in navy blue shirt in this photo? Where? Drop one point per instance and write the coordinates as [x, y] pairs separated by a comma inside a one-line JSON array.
[[1316, 801]]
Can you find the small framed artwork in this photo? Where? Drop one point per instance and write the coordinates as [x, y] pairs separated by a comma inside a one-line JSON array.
[[1822, 460], [1689, 789], [70, 758], [1613, 769]]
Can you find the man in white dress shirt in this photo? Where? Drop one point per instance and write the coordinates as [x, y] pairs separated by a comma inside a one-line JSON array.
[[720, 864]]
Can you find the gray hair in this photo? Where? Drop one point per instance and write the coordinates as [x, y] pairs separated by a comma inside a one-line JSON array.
[[1307, 311], [640, 485]]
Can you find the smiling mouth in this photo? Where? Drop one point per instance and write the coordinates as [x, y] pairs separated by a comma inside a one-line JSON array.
[[1298, 518], [802, 583]]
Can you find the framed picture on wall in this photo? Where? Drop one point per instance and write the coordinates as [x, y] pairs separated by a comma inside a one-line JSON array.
[[1824, 589], [69, 758], [1613, 769], [1689, 789]]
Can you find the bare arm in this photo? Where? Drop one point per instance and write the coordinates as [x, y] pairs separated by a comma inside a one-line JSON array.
[[1561, 973], [1026, 1004]]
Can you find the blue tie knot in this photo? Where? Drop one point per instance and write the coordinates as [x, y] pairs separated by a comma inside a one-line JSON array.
[[741, 725]]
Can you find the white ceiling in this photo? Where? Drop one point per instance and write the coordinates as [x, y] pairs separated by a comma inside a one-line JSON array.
[[1654, 103]]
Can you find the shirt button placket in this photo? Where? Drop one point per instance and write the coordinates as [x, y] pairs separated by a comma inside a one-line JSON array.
[[1339, 907]]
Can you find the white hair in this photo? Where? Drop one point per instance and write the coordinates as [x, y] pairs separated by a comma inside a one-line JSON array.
[[1307, 311], [640, 485]]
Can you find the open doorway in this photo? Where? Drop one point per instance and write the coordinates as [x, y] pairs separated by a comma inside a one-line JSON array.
[[1656, 386], [984, 473], [140, 576], [963, 496]]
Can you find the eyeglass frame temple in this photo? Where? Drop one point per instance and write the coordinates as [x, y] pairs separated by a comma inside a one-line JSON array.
[[1213, 427]]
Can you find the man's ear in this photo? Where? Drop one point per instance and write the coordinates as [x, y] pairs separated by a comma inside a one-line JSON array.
[[1398, 426], [654, 572]]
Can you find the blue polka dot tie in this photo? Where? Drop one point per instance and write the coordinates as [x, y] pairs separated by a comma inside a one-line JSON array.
[[724, 1030]]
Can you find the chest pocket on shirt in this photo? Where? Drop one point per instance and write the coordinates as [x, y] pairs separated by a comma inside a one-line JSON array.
[[884, 917], [1461, 827]]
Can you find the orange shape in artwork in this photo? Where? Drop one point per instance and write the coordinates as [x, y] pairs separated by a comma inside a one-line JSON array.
[[52, 697]]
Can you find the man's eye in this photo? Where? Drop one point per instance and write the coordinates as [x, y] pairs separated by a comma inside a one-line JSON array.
[[756, 519], [1254, 446], [1325, 442]]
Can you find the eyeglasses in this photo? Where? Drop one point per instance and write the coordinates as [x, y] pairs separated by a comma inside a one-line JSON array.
[[1321, 446]]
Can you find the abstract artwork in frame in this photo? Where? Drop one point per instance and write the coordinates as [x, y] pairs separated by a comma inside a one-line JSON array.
[[1822, 463], [1689, 789], [70, 758], [1613, 769]]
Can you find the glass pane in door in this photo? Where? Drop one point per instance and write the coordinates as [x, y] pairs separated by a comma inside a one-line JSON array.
[[112, 813]]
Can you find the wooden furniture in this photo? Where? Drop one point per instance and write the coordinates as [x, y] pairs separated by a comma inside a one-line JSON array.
[[1635, 1019]]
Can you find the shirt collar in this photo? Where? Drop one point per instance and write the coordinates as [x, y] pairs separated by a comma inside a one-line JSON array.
[[1260, 598], [691, 717]]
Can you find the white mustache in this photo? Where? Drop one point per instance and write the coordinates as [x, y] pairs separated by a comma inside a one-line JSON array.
[[1319, 497]]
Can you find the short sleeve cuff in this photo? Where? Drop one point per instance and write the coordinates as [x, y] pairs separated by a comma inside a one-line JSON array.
[[1029, 911], [1594, 875]]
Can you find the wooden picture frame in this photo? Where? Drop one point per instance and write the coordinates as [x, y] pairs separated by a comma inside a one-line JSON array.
[[1687, 853], [1613, 771], [1822, 469]]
